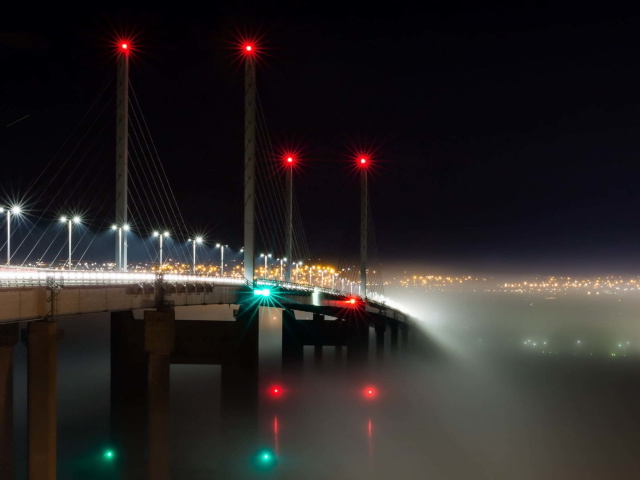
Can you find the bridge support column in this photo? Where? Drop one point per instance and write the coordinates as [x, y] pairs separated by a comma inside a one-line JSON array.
[[357, 341], [380, 329], [159, 341], [292, 347], [41, 399], [404, 336], [317, 350], [394, 337], [128, 395], [339, 354], [239, 395], [8, 338]]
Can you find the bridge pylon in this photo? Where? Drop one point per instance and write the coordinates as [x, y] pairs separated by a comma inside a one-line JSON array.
[[122, 154], [249, 159]]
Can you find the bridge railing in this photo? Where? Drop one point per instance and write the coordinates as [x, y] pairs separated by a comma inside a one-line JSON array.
[[42, 278], [15, 278]]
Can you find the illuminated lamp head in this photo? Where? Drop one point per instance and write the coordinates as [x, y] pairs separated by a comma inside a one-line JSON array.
[[363, 161]]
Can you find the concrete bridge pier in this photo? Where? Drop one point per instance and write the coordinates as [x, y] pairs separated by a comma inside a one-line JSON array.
[[339, 354], [42, 399], [357, 341], [380, 330], [393, 337], [292, 346], [129, 378], [159, 342], [318, 319], [8, 338], [239, 394], [404, 336]]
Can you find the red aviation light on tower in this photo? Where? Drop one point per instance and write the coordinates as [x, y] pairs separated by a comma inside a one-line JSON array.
[[123, 46], [289, 158], [249, 47], [363, 158]]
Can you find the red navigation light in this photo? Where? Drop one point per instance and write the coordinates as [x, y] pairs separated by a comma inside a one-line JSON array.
[[249, 49], [351, 302], [363, 158], [289, 157], [123, 46]]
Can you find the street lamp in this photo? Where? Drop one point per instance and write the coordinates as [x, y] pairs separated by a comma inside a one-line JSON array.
[[16, 210], [119, 251], [161, 236], [266, 257], [195, 241], [297, 264], [221, 247], [70, 221], [281, 260]]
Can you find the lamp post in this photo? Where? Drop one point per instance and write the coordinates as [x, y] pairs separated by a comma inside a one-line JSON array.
[[120, 265], [161, 236], [281, 270], [221, 247], [16, 210], [195, 241], [70, 221], [266, 257], [298, 265]]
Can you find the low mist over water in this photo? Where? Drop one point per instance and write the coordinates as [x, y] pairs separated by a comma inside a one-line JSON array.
[[509, 386]]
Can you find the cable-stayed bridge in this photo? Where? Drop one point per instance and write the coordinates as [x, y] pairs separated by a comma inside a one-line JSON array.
[[345, 303]]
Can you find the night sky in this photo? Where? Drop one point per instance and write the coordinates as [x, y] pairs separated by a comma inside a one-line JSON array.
[[503, 137]]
